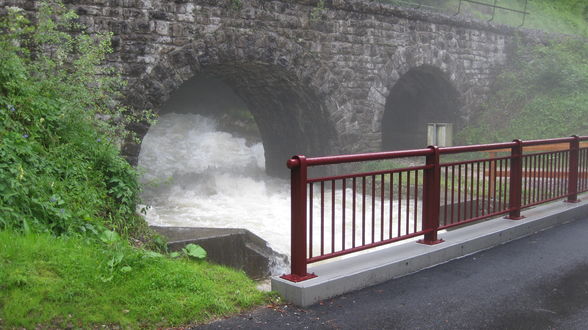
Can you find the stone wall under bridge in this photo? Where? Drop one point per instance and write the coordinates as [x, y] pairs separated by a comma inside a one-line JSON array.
[[345, 78]]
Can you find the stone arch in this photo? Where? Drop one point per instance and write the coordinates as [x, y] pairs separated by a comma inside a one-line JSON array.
[[286, 89], [422, 95]]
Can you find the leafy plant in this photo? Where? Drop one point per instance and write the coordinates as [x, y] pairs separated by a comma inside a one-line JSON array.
[[60, 168], [194, 251]]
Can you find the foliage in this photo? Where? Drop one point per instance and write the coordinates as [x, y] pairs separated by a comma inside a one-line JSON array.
[[191, 251], [68, 199], [60, 169], [542, 94], [194, 251], [66, 282]]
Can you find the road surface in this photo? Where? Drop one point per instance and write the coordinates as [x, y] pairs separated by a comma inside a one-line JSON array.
[[537, 282]]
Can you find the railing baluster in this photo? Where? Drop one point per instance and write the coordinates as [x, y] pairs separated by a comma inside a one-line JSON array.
[[494, 179], [400, 204], [382, 188], [452, 193], [506, 187], [310, 222], [391, 199], [363, 210], [322, 218], [566, 166], [585, 170], [416, 199], [373, 208], [343, 197], [332, 216], [500, 185], [543, 174], [407, 202], [353, 226], [471, 203]]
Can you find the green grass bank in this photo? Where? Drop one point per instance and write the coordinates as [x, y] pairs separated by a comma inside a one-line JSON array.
[[68, 282]]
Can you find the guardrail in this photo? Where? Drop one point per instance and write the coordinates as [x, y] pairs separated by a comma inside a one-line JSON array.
[[346, 213]]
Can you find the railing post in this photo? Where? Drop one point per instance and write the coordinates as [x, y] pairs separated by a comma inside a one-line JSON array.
[[516, 181], [431, 198], [298, 175], [573, 170]]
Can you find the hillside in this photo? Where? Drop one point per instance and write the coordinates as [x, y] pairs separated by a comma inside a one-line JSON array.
[[561, 16]]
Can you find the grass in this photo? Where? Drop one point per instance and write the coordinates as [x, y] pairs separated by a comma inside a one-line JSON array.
[[53, 282], [561, 16]]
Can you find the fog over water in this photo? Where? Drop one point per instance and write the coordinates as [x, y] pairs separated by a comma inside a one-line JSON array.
[[198, 176]]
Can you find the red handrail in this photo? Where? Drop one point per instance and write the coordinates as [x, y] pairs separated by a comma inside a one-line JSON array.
[[400, 203]]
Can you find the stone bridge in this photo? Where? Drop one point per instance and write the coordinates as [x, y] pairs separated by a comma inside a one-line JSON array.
[[346, 76]]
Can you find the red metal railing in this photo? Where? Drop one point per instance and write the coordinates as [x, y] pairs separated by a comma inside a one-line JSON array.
[[341, 214]]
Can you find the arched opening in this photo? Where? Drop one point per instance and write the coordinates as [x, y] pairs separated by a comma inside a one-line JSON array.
[[421, 96], [210, 97], [288, 115]]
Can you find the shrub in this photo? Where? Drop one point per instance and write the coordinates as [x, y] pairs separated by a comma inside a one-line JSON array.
[[60, 169], [542, 94]]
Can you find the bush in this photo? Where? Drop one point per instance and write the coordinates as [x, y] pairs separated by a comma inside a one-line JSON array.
[[60, 169]]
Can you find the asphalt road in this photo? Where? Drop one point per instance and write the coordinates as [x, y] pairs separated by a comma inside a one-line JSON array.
[[537, 282]]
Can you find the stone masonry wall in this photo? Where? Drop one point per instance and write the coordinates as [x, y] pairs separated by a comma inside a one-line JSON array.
[[318, 77]]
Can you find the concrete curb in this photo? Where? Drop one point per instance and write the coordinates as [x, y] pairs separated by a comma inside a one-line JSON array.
[[353, 273], [233, 247]]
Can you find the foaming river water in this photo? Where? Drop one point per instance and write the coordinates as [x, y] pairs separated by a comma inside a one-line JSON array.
[[197, 176]]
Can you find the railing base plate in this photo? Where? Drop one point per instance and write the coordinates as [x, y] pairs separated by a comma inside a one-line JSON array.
[[297, 278], [437, 241], [515, 218]]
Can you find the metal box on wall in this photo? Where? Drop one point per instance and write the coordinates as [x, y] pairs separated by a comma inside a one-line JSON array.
[[440, 134]]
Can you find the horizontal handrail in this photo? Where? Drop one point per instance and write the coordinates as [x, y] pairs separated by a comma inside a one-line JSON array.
[[342, 159]]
